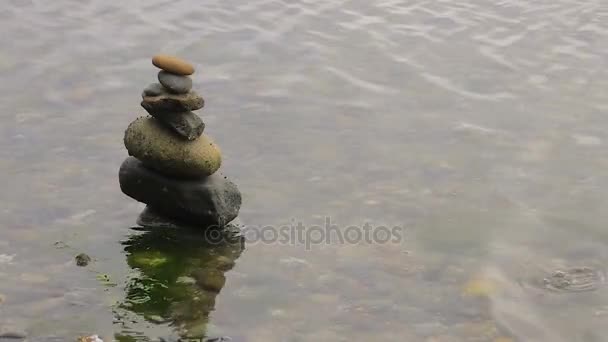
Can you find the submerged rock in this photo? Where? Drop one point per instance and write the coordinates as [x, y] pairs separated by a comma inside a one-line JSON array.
[[11, 331], [212, 339], [92, 338], [187, 124], [148, 259], [212, 200], [155, 145], [177, 84], [151, 219], [82, 259], [576, 279]]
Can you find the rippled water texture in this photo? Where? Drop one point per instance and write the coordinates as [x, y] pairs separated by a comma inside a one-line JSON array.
[[480, 126]]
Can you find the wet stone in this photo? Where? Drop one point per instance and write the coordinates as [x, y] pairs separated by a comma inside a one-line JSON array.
[[210, 201], [177, 84], [82, 259], [151, 219], [10, 331], [187, 124], [13, 335]]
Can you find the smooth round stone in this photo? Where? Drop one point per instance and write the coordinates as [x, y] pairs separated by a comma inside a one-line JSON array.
[[177, 84], [154, 89], [173, 64], [82, 260], [157, 147]]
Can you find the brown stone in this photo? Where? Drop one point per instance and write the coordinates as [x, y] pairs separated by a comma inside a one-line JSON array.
[[173, 65], [148, 140]]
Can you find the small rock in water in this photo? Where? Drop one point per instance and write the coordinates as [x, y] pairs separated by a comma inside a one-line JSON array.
[[10, 331], [576, 279], [13, 335], [150, 219], [6, 258], [175, 83], [173, 65], [212, 339], [92, 338], [169, 102], [82, 259], [187, 124], [154, 89]]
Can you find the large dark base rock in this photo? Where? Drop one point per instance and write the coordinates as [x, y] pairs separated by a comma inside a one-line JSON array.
[[211, 201], [151, 219]]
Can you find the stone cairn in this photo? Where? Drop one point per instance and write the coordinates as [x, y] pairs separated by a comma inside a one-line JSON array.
[[172, 166]]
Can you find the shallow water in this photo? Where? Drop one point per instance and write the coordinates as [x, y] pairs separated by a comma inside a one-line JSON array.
[[479, 126]]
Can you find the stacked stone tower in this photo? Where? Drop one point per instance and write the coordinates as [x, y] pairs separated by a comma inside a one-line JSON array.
[[172, 166]]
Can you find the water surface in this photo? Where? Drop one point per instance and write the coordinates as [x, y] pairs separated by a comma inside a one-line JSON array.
[[477, 125]]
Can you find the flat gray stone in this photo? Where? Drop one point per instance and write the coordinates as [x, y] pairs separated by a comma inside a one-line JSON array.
[[169, 102], [210, 201], [177, 84], [186, 124], [154, 89]]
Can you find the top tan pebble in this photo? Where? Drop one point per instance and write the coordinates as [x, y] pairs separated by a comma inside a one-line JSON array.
[[172, 64]]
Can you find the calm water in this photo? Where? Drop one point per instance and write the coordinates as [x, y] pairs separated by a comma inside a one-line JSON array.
[[479, 126]]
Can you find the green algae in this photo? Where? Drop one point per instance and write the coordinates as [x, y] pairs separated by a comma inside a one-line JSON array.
[[177, 276]]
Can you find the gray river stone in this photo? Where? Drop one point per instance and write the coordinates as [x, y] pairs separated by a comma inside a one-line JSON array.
[[210, 201], [169, 102], [186, 124], [154, 89], [177, 84]]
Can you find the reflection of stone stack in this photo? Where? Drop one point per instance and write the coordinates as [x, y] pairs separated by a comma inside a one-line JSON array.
[[173, 165], [180, 275]]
